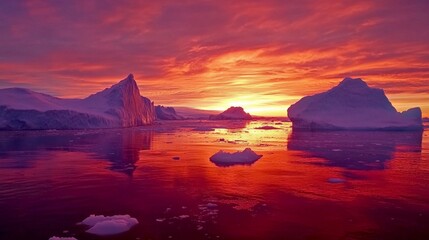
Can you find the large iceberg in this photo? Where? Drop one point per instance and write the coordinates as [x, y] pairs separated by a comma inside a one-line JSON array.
[[232, 113], [121, 105], [352, 105]]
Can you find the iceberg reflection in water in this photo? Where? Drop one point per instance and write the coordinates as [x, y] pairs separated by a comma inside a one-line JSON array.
[[119, 146], [355, 150]]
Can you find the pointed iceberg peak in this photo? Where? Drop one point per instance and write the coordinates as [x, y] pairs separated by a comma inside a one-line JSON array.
[[130, 76], [129, 81]]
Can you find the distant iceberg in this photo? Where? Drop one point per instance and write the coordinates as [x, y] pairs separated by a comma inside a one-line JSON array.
[[109, 225], [245, 157], [167, 113], [352, 105], [232, 113], [121, 105]]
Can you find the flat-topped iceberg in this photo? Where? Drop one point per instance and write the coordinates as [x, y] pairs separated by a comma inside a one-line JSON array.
[[245, 157], [352, 105]]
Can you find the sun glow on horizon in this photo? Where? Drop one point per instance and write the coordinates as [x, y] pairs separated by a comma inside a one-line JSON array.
[[262, 55]]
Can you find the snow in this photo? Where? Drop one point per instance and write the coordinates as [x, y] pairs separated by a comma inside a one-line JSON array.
[[109, 225], [62, 238], [167, 113], [118, 106], [247, 156], [352, 105], [232, 113]]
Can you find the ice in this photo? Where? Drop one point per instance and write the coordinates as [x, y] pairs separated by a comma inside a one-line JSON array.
[[193, 113], [109, 225], [247, 156], [267, 128], [336, 180], [167, 113], [62, 238], [232, 113], [121, 105], [352, 105]]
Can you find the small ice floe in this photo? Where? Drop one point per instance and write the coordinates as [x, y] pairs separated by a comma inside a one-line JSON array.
[[336, 150], [335, 180], [160, 219], [183, 216], [109, 225], [211, 205], [62, 238], [267, 128], [176, 158], [203, 129], [245, 157]]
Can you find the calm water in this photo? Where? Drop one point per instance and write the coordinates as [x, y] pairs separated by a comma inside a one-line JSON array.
[[51, 180]]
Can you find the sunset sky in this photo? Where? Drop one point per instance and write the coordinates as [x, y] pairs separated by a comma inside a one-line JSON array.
[[262, 55]]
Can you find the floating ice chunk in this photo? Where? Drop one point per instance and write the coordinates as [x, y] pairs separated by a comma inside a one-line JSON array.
[[247, 156], [203, 129], [267, 128], [62, 238], [109, 225], [211, 205], [336, 180]]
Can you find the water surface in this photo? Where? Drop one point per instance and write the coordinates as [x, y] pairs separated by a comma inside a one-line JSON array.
[[307, 185]]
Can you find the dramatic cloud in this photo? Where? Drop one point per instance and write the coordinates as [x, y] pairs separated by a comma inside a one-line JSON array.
[[263, 55]]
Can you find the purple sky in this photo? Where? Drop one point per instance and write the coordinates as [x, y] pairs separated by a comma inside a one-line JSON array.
[[263, 55]]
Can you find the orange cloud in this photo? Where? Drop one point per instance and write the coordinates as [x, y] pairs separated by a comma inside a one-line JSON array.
[[213, 54]]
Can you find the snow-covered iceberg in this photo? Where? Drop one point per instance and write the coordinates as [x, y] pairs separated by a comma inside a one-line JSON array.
[[232, 113], [109, 225], [121, 105], [245, 157], [352, 105], [167, 113]]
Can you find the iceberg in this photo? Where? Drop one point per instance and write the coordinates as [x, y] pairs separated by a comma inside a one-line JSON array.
[[121, 105], [352, 105], [232, 113], [167, 113], [245, 157], [109, 225]]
